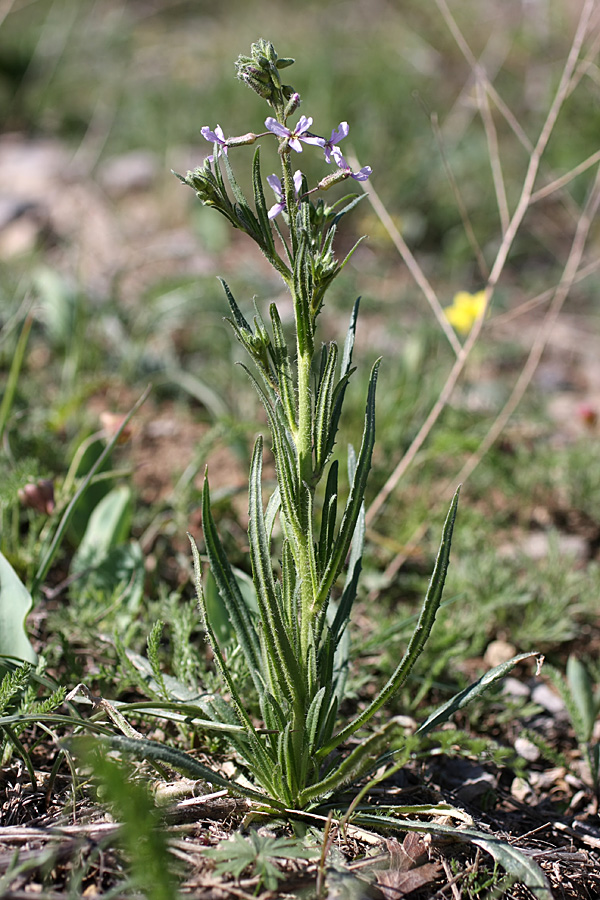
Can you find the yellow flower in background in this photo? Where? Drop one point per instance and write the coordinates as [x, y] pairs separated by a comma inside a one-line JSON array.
[[465, 310]]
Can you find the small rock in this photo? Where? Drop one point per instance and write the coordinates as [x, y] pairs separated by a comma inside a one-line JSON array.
[[515, 688], [498, 652], [545, 697], [134, 171], [521, 790], [527, 749]]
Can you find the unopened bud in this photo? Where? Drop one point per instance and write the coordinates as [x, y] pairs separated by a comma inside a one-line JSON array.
[[284, 61], [243, 139], [263, 90], [38, 496], [292, 105], [330, 180]]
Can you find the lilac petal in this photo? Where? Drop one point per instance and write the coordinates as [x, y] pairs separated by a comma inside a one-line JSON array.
[[275, 183], [295, 144], [275, 210], [364, 173], [337, 155], [303, 125], [209, 135], [274, 126], [298, 181], [314, 139], [215, 137], [338, 134]]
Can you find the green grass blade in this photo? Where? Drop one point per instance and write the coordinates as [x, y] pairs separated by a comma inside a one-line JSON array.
[[13, 375], [59, 534]]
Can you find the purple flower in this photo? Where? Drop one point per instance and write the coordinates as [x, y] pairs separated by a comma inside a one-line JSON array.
[[362, 175], [215, 137], [275, 183], [336, 136], [298, 134]]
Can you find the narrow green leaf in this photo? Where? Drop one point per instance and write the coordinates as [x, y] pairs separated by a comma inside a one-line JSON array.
[[274, 632], [182, 762], [443, 713], [228, 588], [355, 500], [419, 636], [257, 757], [582, 692], [12, 380], [516, 863], [322, 419], [328, 518], [313, 717], [281, 358], [353, 766], [238, 317], [348, 597], [261, 206], [284, 451]]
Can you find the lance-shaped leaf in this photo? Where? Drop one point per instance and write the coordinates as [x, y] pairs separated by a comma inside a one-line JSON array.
[[348, 597], [261, 206], [274, 631], [281, 361], [302, 292], [229, 590], [181, 762], [322, 419], [236, 312], [246, 218], [353, 766], [356, 198], [328, 518], [345, 373], [257, 758], [515, 862], [355, 500], [418, 639], [284, 451], [444, 712]]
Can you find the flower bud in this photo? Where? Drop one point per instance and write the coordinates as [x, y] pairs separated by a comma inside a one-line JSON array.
[[292, 105], [330, 180], [243, 139], [38, 496], [263, 90]]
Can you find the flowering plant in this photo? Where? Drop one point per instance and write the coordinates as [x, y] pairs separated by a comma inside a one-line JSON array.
[[291, 638]]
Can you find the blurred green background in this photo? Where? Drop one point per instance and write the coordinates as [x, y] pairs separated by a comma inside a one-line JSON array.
[[100, 100]]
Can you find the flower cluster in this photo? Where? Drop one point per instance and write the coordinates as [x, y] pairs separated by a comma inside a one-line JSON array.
[[293, 138]]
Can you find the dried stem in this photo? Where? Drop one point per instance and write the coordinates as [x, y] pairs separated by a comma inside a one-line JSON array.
[[569, 74]]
